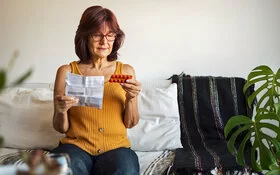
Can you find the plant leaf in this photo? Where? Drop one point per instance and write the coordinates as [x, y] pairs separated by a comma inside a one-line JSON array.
[[263, 68], [273, 141], [22, 78], [12, 60], [3, 80], [273, 172], [269, 104], [278, 154], [275, 145], [263, 116], [272, 127], [259, 70], [266, 158], [265, 151], [250, 83], [236, 121], [1, 141], [268, 81], [277, 108], [254, 94], [254, 163], [240, 152], [233, 137]]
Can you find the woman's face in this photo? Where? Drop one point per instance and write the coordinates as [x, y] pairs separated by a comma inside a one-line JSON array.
[[101, 43]]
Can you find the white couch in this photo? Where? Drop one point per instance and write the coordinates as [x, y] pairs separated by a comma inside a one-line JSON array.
[[26, 123]]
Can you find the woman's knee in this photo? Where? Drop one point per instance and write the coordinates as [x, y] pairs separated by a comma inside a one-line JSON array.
[[78, 166], [130, 163], [80, 161], [121, 161]]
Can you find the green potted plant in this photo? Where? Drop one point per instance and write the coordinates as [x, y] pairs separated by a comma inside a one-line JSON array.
[[4, 77], [263, 128]]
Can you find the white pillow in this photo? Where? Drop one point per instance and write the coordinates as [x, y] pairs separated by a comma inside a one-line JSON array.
[[159, 125], [26, 118]]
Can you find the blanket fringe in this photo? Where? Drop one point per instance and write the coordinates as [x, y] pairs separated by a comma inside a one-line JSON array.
[[217, 171]]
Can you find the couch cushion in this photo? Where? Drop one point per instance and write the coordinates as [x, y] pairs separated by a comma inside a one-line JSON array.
[[206, 104], [26, 118], [159, 125]]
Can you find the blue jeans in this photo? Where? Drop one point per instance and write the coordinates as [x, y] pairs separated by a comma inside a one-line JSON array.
[[120, 161]]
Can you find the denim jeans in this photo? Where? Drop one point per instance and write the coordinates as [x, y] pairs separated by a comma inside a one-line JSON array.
[[120, 161]]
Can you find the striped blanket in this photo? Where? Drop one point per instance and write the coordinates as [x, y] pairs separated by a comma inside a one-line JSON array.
[[206, 103]]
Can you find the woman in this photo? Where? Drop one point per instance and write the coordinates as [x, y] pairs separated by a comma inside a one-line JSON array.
[[96, 139]]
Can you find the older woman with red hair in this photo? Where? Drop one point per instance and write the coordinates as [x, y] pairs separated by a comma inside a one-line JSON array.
[[96, 139]]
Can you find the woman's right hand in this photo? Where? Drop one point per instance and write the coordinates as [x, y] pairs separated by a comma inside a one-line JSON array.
[[63, 103]]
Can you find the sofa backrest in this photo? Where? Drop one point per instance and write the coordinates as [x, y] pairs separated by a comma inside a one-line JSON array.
[[26, 117]]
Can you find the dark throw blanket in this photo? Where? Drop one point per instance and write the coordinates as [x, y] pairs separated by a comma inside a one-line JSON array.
[[206, 103]]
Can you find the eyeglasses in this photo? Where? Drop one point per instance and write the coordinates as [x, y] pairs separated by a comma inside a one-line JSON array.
[[99, 37]]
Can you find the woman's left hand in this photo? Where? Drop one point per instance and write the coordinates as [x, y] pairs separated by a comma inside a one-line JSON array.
[[132, 88]]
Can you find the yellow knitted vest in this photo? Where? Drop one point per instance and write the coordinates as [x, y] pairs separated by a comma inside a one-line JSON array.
[[99, 130]]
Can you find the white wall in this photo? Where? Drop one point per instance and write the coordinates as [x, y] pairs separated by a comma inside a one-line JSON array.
[[163, 37]]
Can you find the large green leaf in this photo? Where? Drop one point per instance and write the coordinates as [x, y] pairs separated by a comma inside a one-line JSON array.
[[268, 89], [258, 73], [236, 121], [265, 150], [240, 152], [231, 141], [261, 70], [265, 157]]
